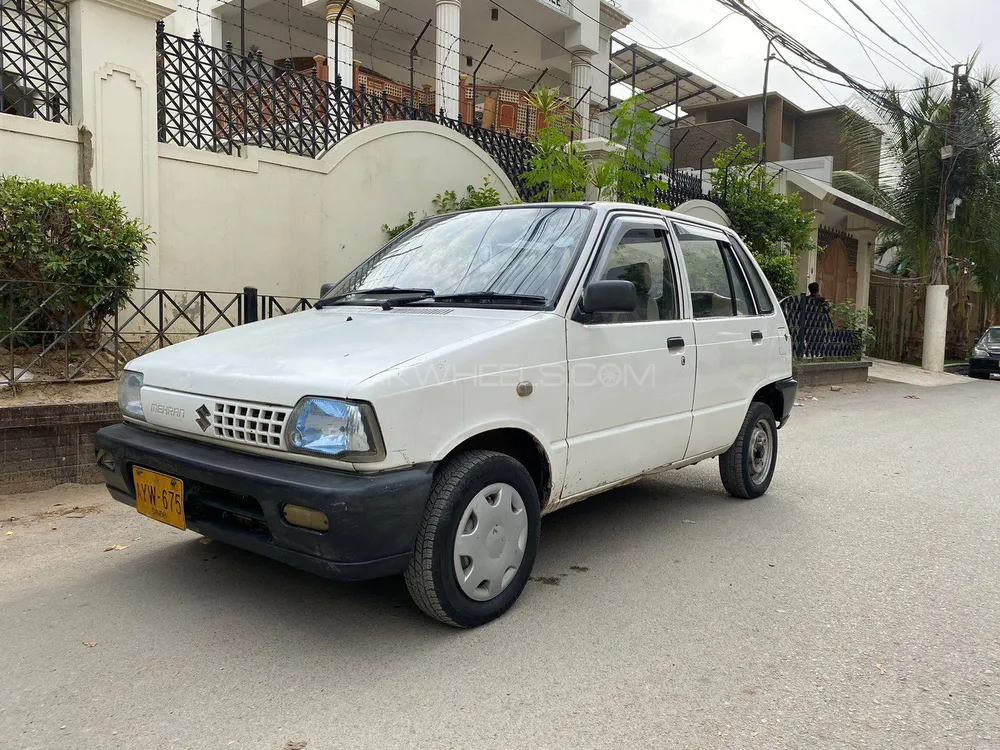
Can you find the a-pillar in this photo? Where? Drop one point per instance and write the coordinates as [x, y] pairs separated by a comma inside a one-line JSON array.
[[581, 79], [449, 26], [808, 259], [340, 41]]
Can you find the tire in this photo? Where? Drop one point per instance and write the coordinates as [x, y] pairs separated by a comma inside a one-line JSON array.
[[745, 473], [461, 490]]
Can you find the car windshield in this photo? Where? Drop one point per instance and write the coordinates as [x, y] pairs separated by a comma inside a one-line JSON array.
[[992, 336], [514, 251]]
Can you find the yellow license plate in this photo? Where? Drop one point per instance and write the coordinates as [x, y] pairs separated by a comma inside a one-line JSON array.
[[159, 496]]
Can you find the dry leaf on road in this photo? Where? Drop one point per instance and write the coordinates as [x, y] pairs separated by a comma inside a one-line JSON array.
[[115, 547], [687, 520], [89, 644], [880, 668]]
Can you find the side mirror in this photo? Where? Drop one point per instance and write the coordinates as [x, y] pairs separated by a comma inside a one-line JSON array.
[[326, 289], [611, 296]]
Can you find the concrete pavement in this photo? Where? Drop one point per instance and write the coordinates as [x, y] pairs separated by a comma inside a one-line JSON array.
[[856, 605]]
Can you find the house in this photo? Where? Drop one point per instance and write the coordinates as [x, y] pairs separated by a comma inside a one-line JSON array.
[[470, 58], [803, 148]]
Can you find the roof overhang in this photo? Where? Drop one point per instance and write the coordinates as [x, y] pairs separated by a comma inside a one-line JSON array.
[[845, 201], [665, 83]]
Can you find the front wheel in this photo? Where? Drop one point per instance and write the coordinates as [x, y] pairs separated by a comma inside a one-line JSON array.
[[747, 467], [477, 540]]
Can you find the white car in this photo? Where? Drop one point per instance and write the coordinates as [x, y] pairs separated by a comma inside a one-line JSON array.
[[478, 372]]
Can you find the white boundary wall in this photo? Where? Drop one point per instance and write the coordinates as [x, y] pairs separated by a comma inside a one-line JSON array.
[[282, 223]]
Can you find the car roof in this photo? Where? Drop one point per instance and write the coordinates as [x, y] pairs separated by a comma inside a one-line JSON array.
[[605, 207]]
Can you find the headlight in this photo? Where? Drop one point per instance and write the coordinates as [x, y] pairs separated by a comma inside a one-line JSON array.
[[338, 429], [980, 351], [130, 395]]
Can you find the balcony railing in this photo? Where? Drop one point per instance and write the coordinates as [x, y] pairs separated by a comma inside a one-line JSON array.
[[34, 55]]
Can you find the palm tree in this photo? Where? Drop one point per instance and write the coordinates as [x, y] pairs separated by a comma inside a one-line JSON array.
[[913, 125]]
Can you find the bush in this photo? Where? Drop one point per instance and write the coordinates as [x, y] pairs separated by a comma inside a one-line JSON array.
[[485, 197], [78, 248], [781, 270]]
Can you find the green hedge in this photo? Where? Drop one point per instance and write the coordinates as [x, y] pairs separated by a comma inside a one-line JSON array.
[[66, 241]]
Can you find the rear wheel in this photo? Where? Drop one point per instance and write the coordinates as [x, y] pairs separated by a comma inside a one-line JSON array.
[[747, 467], [477, 540]]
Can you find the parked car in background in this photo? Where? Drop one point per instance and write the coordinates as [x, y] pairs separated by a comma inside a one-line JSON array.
[[985, 357], [479, 371]]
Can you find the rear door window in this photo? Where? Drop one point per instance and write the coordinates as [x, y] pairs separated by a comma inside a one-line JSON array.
[[757, 284]]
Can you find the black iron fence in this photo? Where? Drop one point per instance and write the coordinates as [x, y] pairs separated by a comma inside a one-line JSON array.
[[217, 100], [681, 187], [34, 59], [813, 332], [63, 332]]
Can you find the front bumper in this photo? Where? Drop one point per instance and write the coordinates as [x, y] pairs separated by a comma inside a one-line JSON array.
[[786, 390], [984, 364], [237, 498]]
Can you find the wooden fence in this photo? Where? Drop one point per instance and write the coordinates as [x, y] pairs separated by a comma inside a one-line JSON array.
[[896, 303]]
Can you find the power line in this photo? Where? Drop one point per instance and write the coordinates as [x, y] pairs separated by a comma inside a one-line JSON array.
[[854, 33], [920, 27], [878, 26], [888, 57], [931, 50], [773, 32]]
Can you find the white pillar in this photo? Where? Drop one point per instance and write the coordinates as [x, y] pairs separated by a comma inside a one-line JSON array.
[[581, 81], [866, 257], [449, 14], [935, 327], [342, 33], [808, 259]]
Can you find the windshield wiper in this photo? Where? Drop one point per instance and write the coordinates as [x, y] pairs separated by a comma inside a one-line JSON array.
[[517, 299], [378, 290]]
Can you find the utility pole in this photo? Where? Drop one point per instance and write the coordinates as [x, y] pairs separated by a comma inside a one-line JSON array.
[[763, 103], [939, 273], [936, 303]]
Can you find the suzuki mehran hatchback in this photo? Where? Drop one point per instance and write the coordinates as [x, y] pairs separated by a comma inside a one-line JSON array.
[[479, 371]]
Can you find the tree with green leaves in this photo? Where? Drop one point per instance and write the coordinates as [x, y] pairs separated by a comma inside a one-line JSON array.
[[556, 171], [772, 225], [913, 126], [633, 173]]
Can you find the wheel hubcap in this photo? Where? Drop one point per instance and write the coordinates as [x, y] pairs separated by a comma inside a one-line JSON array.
[[490, 542], [761, 451]]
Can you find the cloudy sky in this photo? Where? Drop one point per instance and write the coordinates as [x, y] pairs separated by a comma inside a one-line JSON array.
[[733, 52]]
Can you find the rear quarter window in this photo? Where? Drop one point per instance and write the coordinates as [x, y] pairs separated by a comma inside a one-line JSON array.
[[760, 288]]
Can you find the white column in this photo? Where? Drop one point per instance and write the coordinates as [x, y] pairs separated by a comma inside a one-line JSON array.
[[866, 257], [808, 259], [342, 33], [449, 14], [935, 327], [581, 81]]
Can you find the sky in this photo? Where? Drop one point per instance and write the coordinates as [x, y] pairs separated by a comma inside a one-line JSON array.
[[733, 52]]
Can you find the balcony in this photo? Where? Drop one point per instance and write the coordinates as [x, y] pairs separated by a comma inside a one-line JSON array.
[[694, 146]]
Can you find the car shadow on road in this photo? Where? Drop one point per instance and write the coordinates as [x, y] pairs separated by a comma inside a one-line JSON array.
[[242, 592]]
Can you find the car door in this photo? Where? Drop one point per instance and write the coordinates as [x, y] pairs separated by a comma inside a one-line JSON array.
[[733, 350], [631, 375]]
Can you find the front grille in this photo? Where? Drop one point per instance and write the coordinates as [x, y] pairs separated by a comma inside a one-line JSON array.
[[249, 424]]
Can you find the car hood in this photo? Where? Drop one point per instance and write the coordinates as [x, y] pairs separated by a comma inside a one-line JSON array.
[[317, 352]]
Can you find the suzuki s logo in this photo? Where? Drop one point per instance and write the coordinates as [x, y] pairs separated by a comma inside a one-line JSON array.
[[167, 411], [204, 418]]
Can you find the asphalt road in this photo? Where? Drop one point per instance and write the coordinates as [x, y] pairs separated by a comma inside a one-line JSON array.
[[856, 605]]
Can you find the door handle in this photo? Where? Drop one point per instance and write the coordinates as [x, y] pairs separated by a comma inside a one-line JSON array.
[[675, 342], [756, 336]]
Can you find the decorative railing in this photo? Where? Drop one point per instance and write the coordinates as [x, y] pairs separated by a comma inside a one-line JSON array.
[[813, 333], [682, 187], [214, 99], [62, 332], [34, 55]]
